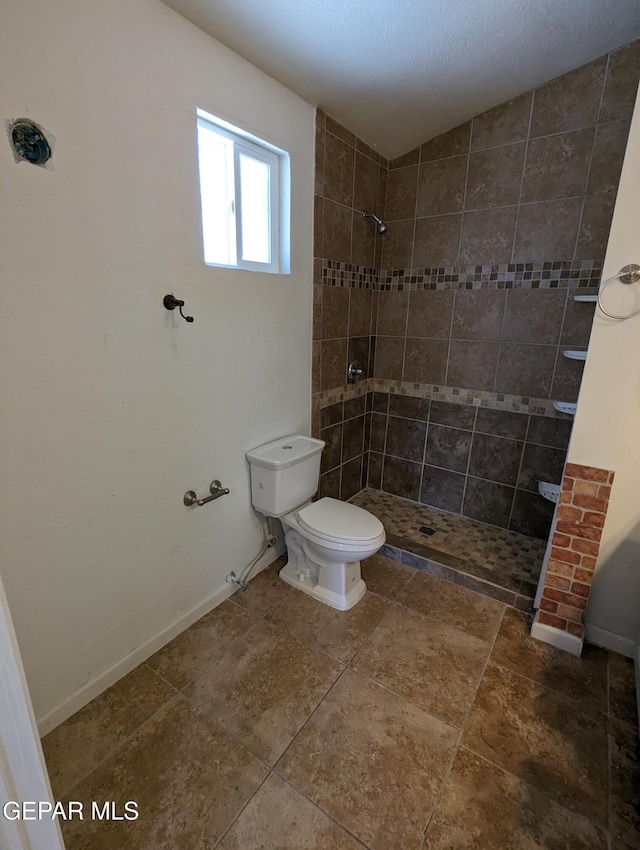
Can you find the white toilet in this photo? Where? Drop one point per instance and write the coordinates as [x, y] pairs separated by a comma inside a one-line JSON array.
[[327, 539]]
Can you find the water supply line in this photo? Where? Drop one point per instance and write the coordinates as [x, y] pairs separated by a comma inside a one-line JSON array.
[[268, 542]]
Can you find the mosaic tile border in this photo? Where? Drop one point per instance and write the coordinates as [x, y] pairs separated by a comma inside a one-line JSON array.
[[452, 395], [554, 274]]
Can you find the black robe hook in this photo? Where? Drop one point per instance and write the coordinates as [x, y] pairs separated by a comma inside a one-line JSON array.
[[171, 302]]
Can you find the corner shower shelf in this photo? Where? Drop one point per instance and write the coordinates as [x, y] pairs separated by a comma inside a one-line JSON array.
[[574, 354], [565, 407], [587, 299], [549, 491]]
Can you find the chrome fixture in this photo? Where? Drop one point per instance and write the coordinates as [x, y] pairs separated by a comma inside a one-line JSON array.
[[627, 274], [216, 489], [354, 371], [381, 226], [171, 302]]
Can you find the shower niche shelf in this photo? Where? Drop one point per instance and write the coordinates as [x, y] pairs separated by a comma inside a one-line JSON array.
[[551, 492], [565, 407], [586, 299], [574, 354]]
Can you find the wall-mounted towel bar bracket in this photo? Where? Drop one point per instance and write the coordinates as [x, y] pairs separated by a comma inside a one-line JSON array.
[[216, 489], [170, 302]]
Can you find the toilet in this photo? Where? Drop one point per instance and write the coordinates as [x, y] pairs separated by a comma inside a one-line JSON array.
[[327, 539]]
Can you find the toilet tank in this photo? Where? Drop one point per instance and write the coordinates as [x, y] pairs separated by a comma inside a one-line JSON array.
[[284, 473]]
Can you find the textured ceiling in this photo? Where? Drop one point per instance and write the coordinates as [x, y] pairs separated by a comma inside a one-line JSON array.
[[399, 72]]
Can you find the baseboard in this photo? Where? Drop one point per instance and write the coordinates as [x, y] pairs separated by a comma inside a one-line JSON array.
[[61, 712], [557, 637], [610, 640]]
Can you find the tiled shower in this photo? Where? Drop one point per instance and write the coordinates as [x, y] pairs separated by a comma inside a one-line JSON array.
[[461, 314]]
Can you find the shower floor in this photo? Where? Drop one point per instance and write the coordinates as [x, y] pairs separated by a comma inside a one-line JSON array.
[[498, 563]]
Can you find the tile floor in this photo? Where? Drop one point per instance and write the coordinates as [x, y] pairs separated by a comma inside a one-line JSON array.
[[494, 561], [425, 718]]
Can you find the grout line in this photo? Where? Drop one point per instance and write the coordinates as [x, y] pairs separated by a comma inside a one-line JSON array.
[[464, 725], [466, 474], [240, 812], [464, 200], [524, 168], [524, 448]]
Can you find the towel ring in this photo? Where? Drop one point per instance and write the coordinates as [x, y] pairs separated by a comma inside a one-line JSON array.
[[627, 274]]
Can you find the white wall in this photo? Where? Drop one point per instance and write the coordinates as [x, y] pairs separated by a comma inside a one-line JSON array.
[[111, 407], [606, 432]]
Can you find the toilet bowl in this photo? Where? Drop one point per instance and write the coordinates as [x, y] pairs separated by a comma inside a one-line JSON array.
[[326, 539]]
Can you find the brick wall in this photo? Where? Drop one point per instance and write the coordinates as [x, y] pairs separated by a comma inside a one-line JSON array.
[[575, 544]]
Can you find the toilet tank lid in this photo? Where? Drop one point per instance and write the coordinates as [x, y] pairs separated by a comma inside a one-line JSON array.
[[340, 520], [279, 454]]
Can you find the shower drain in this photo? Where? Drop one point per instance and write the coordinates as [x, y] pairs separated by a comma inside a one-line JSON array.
[[426, 530]]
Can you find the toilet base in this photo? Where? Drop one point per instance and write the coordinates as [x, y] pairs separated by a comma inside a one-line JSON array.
[[297, 578]]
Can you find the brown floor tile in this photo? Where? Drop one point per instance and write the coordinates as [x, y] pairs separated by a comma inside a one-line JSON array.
[[544, 738], [625, 783], [264, 688], [194, 649], [583, 679], [299, 824], [426, 661], [458, 607], [189, 780], [482, 807], [385, 576], [338, 633], [373, 761], [623, 699], [264, 591], [79, 744]]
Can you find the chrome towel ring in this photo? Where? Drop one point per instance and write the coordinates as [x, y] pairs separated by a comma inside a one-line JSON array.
[[627, 274]]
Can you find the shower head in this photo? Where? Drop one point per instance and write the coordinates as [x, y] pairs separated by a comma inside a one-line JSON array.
[[381, 227]]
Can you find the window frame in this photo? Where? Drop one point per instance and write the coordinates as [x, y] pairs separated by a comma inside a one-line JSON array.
[[277, 160]]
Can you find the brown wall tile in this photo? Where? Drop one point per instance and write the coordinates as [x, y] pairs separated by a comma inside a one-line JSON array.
[[578, 320], [621, 84], [557, 166], [410, 158], [425, 360], [567, 378], [472, 364], [534, 315], [337, 232], [397, 245], [334, 363], [495, 176], [367, 179], [317, 311], [526, 369], [608, 154], [487, 235], [389, 357], [430, 314], [402, 184], [406, 438], [569, 102], [335, 312], [441, 186], [319, 160], [539, 234], [363, 241], [339, 162], [332, 126], [318, 226], [478, 314], [506, 123], [595, 225], [401, 477], [451, 143], [392, 313], [437, 241], [360, 309]]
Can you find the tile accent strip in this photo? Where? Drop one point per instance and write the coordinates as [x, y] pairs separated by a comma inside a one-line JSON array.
[[584, 501], [453, 395], [551, 274]]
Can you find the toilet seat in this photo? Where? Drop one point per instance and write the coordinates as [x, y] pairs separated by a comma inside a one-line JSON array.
[[339, 522]]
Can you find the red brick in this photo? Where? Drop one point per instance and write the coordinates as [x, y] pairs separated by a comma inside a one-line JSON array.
[[565, 527], [574, 470], [560, 569], [575, 629], [579, 529], [548, 605], [561, 540], [604, 491], [588, 547], [565, 556], [588, 563], [552, 620], [587, 488], [580, 589], [585, 576], [596, 520], [570, 613], [566, 496], [564, 597], [569, 513], [588, 473], [567, 483], [589, 502], [557, 581]]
